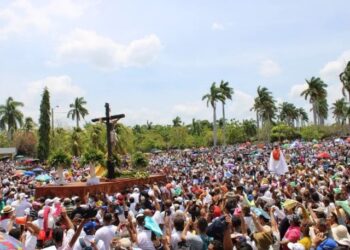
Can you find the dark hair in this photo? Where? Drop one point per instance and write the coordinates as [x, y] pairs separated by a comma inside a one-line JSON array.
[[57, 234], [202, 225], [15, 233], [315, 197], [179, 224], [107, 217]]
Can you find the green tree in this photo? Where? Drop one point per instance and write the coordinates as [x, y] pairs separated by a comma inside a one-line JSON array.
[[59, 160], [345, 79], [302, 117], [212, 98], [322, 106], [226, 92], [340, 110], [77, 110], [177, 121], [249, 127], [29, 124], [316, 91], [44, 126], [288, 113], [10, 117], [139, 160], [264, 106]]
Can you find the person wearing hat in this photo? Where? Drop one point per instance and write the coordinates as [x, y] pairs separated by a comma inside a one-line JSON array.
[[341, 235], [20, 205], [89, 241], [6, 216]]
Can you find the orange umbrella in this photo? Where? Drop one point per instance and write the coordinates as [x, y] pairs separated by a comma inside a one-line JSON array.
[[324, 155]]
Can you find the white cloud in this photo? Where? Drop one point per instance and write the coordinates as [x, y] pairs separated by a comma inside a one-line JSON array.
[[296, 90], [240, 106], [269, 68], [332, 69], [217, 26], [62, 92], [104, 53], [23, 16]]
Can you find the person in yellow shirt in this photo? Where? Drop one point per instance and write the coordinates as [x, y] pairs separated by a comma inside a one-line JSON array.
[[306, 239]]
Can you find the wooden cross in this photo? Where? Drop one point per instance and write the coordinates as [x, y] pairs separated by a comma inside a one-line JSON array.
[[109, 120]]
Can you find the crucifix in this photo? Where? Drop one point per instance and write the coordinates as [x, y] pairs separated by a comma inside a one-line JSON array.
[[109, 120]]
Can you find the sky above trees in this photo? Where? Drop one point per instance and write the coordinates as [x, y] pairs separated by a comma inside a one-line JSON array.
[[154, 60]]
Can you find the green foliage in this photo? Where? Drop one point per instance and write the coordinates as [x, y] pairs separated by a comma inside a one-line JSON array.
[[139, 160], [282, 131], [135, 174], [44, 127], [77, 110], [10, 117], [311, 132], [60, 159], [4, 140], [249, 128], [25, 142], [93, 156]]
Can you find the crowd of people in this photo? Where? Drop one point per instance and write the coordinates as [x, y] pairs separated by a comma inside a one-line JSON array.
[[218, 198]]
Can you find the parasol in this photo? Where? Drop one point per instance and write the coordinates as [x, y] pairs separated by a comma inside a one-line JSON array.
[[324, 155], [7, 242], [43, 177]]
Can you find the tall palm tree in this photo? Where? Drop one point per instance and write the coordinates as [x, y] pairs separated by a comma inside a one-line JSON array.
[[10, 117], [212, 98], [29, 124], [322, 106], [302, 117], [77, 110], [288, 113], [345, 79], [177, 121], [226, 92], [340, 110], [264, 106], [316, 91]]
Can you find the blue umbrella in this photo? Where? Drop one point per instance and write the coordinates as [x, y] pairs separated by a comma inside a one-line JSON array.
[[29, 173], [259, 211], [38, 169], [43, 177]]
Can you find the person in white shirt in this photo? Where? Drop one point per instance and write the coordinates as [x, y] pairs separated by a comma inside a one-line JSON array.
[[89, 239], [107, 232], [20, 205], [136, 195]]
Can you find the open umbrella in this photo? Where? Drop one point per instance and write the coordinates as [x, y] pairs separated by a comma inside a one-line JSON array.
[[324, 155], [43, 177], [8, 242], [19, 173], [29, 173], [39, 170]]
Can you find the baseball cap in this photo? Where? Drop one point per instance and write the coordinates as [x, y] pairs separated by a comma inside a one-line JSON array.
[[89, 226]]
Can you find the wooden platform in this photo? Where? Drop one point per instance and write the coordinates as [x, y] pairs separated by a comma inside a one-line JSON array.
[[81, 189]]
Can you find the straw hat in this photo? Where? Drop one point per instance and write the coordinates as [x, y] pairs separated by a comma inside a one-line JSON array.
[[290, 204], [7, 209]]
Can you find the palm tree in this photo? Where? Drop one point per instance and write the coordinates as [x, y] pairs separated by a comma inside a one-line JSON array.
[[10, 117], [77, 110], [226, 92], [177, 121], [212, 97], [302, 117], [288, 113], [322, 106], [316, 91], [345, 79], [264, 106], [340, 110], [29, 124]]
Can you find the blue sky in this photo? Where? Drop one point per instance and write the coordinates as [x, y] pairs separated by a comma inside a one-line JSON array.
[[154, 60]]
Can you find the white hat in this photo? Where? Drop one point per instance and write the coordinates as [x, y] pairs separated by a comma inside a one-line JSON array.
[[136, 190], [295, 246], [56, 200], [341, 235], [48, 202]]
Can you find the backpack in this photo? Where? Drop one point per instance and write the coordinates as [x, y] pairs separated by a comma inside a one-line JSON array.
[[84, 246]]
